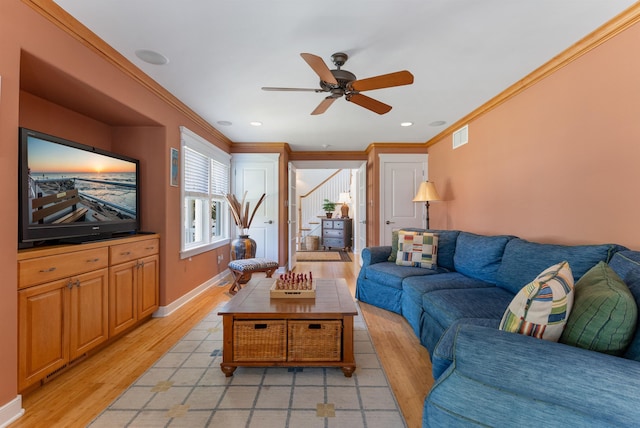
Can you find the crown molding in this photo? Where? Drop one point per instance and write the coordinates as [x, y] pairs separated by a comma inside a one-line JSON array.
[[59, 17], [596, 38]]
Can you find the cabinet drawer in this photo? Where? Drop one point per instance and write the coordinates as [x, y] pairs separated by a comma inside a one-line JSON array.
[[333, 242], [135, 250], [327, 224], [333, 233], [45, 269]]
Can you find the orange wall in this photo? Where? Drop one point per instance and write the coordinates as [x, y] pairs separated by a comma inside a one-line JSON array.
[[560, 162], [23, 30]]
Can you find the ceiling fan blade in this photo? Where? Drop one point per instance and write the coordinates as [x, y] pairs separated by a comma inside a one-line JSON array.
[[319, 66], [398, 78], [323, 106], [270, 88], [369, 103]]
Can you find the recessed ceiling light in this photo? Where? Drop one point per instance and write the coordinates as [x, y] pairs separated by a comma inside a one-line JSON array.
[[406, 124], [152, 57], [437, 123], [224, 123], [256, 123]]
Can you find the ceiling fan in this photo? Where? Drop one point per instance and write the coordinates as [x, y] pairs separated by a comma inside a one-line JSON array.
[[340, 82]]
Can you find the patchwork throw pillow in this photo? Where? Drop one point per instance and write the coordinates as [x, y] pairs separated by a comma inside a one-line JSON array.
[[394, 243], [604, 313], [541, 308], [417, 249]]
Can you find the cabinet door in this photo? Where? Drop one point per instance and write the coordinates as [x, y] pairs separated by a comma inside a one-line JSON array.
[[148, 294], [89, 299], [123, 298], [43, 325]]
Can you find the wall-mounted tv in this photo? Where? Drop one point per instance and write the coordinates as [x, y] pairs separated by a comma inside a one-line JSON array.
[[71, 192]]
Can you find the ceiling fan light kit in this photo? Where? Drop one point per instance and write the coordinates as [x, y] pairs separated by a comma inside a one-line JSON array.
[[341, 83]]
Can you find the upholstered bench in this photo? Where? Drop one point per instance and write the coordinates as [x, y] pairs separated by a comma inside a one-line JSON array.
[[243, 268]]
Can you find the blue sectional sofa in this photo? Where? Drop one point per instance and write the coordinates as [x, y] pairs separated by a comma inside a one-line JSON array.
[[488, 377]]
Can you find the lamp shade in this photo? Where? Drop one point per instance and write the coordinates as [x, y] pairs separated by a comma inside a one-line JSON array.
[[344, 198], [426, 192]]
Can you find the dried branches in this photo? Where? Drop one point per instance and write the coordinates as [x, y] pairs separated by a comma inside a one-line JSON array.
[[240, 211]]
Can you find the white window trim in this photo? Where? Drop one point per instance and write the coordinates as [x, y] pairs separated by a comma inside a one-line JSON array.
[[196, 142]]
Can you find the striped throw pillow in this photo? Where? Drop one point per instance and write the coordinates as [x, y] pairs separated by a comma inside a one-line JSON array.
[[604, 313], [541, 308], [417, 249]]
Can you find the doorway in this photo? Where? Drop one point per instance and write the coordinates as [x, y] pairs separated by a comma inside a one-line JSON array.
[[316, 181]]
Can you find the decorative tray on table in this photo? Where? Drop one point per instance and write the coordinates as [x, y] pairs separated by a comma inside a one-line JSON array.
[[292, 285]]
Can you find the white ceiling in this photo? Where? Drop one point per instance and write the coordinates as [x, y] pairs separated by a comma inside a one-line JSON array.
[[221, 52]]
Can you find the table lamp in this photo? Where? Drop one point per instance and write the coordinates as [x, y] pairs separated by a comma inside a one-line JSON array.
[[345, 200]]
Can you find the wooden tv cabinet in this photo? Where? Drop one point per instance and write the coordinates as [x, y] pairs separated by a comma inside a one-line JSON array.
[[73, 298]]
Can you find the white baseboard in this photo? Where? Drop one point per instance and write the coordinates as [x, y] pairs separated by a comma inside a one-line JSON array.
[[11, 411], [164, 311]]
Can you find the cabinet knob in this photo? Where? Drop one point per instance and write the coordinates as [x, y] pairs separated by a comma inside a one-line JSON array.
[[92, 260], [51, 269]]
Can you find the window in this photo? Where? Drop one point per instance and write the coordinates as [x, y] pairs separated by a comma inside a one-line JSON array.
[[205, 181]]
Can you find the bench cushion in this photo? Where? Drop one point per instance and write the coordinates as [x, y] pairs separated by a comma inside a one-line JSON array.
[[251, 265]]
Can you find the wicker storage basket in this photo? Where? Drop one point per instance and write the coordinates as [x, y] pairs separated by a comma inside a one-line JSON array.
[[260, 340], [315, 340], [312, 242]]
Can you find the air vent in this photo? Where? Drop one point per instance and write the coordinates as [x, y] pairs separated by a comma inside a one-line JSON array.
[[461, 137]]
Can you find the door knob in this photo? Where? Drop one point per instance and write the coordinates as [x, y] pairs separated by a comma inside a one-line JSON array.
[[268, 222], [389, 222]]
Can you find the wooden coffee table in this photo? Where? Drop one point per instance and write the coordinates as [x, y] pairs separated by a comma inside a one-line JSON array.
[[289, 332]]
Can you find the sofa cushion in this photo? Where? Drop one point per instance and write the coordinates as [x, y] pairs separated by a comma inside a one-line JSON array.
[[479, 256], [542, 307], [627, 265], [416, 286], [447, 306], [391, 275], [604, 313], [417, 249], [523, 260], [446, 247]]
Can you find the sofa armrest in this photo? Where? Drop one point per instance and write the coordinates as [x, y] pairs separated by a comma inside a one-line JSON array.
[[499, 378], [373, 255]]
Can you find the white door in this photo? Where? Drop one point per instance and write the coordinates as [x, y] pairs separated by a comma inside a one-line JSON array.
[[257, 174], [293, 215], [401, 177], [361, 211]]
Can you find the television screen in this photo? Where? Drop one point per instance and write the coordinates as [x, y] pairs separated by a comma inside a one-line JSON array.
[[70, 190]]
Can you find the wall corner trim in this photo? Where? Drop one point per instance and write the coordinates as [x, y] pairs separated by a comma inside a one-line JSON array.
[[165, 311], [11, 411]]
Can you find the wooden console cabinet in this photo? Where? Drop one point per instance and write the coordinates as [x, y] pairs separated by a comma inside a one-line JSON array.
[[337, 232], [70, 297]]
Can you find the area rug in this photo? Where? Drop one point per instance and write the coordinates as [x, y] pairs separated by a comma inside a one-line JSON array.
[[322, 256], [186, 388]]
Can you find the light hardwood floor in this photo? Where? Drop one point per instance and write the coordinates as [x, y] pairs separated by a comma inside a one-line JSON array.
[[78, 395]]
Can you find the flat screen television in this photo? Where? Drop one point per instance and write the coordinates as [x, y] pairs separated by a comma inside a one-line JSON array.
[[71, 192]]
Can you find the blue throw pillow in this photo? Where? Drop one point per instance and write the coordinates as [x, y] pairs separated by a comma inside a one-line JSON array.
[[523, 260], [627, 265], [479, 256]]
